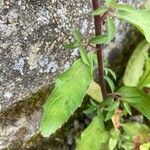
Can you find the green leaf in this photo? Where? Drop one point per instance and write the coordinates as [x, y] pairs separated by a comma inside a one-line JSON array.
[[111, 72], [110, 29], [135, 66], [127, 108], [114, 139], [145, 79], [113, 106], [110, 83], [94, 136], [93, 103], [125, 7], [145, 146], [89, 110], [100, 39], [136, 98], [66, 97], [99, 11], [77, 36], [131, 94], [94, 91], [139, 18], [108, 101], [110, 2], [135, 129], [127, 145], [71, 45], [106, 71], [109, 115], [78, 43], [84, 56]]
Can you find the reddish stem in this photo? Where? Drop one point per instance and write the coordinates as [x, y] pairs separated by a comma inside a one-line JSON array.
[[98, 30]]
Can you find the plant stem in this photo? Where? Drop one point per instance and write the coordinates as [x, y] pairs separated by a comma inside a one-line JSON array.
[[98, 25]]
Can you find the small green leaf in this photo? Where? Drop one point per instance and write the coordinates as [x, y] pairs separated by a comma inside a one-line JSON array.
[[114, 139], [71, 45], [110, 2], [111, 72], [109, 115], [145, 79], [137, 98], [93, 103], [77, 36], [139, 18], [106, 71], [99, 11], [100, 39], [94, 136], [110, 83], [89, 110], [135, 66], [84, 56], [113, 106], [127, 108], [108, 101], [110, 29], [66, 97], [94, 91]]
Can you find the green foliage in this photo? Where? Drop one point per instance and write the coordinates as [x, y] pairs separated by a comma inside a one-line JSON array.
[[78, 41], [139, 18], [145, 79], [71, 45], [109, 3], [136, 98], [94, 91], [94, 137], [109, 115], [135, 66], [84, 56], [110, 83], [145, 146], [77, 82], [77, 36], [134, 132], [124, 7], [110, 28], [113, 106], [137, 129], [99, 11], [100, 39], [127, 108], [113, 139], [66, 97], [92, 107], [112, 73]]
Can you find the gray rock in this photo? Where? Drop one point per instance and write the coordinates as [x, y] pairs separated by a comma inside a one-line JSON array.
[[32, 33]]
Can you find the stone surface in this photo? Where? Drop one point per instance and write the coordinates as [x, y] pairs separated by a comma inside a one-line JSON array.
[[32, 33]]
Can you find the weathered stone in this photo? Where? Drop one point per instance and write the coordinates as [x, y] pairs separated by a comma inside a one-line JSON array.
[[32, 33]]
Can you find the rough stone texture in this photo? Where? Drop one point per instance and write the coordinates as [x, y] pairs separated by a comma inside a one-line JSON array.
[[32, 33]]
